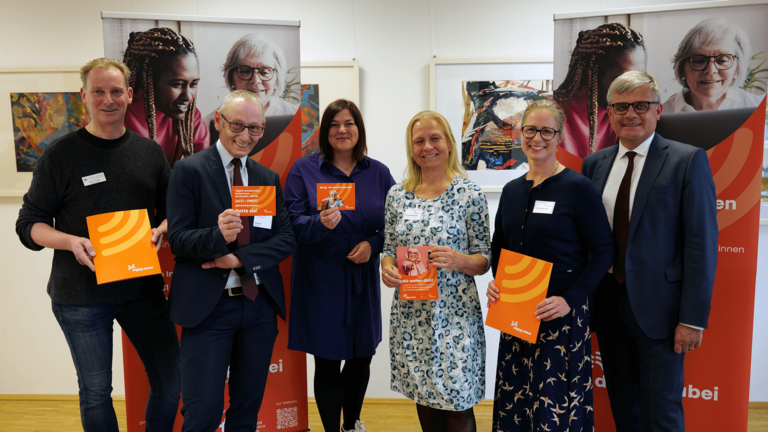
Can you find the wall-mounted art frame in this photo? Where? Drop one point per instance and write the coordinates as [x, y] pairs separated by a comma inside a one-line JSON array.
[[337, 80], [445, 96], [26, 80]]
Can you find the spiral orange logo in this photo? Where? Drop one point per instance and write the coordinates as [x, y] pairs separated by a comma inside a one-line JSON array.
[[524, 279], [120, 235]]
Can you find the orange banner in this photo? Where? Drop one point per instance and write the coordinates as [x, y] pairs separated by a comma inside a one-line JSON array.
[[341, 195], [414, 263], [254, 200], [522, 281], [123, 244]]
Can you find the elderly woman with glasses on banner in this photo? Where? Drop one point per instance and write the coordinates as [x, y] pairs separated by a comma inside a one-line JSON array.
[[257, 64], [165, 74], [548, 385], [437, 347], [711, 64]]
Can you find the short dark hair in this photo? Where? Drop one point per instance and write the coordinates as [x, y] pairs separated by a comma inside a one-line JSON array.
[[335, 107]]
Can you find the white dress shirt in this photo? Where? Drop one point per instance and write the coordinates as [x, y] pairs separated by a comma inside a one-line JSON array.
[[226, 159], [617, 174]]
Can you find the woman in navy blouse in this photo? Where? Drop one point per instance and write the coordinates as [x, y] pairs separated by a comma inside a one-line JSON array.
[[335, 310], [557, 215]]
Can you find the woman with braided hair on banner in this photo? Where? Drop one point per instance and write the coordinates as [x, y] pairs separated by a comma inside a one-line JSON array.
[[600, 55], [164, 77]]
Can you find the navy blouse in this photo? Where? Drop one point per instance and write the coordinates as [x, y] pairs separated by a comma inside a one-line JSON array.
[[335, 305], [576, 237]]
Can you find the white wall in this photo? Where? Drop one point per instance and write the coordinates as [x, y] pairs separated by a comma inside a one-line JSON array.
[[393, 40]]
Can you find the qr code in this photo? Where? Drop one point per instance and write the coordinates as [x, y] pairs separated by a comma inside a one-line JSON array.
[[287, 418]]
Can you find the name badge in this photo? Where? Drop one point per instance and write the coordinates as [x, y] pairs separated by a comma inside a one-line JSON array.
[[412, 214], [546, 207], [262, 222], [94, 178]]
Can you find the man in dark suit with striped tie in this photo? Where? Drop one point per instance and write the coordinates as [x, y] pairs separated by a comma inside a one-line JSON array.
[[227, 290], [652, 309]]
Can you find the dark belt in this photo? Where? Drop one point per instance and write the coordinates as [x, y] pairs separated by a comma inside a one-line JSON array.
[[233, 292]]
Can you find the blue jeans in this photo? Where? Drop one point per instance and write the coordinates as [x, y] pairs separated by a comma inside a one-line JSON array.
[[146, 322]]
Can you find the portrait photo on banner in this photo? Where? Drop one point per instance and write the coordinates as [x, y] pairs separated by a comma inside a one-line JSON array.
[[711, 65], [184, 70]]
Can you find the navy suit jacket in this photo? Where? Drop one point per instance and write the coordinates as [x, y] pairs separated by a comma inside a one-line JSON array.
[[672, 238], [197, 193]]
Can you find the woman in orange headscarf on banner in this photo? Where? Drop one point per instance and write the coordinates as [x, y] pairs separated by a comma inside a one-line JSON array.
[[165, 74]]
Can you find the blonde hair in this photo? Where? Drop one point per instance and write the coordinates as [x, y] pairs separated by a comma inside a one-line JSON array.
[[413, 171], [104, 63], [548, 106]]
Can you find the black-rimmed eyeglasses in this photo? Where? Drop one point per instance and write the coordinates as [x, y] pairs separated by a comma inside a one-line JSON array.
[[547, 133], [239, 127], [640, 107], [245, 73], [699, 62]]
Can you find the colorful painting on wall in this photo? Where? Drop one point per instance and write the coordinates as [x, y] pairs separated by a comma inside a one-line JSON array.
[[41, 118], [490, 139], [310, 118]]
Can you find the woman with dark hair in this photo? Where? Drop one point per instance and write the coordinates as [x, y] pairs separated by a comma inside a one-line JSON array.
[[600, 55], [711, 64], [335, 296], [164, 76]]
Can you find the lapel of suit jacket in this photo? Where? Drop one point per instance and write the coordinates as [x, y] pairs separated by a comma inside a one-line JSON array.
[[657, 154], [219, 176], [604, 166]]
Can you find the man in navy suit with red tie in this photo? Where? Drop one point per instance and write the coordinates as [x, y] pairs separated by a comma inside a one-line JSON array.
[[227, 290], [653, 307]]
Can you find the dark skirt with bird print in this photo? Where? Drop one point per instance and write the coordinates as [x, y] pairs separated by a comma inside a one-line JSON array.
[[546, 386]]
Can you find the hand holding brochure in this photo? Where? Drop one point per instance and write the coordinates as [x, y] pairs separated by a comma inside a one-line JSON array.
[[523, 283], [419, 276], [123, 244]]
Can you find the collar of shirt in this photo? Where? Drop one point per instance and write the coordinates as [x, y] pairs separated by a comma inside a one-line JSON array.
[[363, 164], [641, 150], [226, 159]]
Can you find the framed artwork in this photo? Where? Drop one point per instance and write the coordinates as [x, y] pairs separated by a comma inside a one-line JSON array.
[[39, 105], [447, 92], [338, 80], [310, 118]]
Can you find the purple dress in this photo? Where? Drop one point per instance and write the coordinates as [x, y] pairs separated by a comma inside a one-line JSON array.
[[335, 306]]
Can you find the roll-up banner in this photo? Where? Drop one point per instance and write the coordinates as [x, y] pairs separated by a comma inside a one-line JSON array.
[[722, 109], [185, 94]]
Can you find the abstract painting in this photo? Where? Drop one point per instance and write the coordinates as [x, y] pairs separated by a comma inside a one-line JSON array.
[[490, 138], [310, 118], [41, 118]]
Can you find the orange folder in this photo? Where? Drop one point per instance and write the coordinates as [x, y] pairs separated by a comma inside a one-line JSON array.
[[123, 244], [341, 195], [419, 276], [523, 283], [254, 200]]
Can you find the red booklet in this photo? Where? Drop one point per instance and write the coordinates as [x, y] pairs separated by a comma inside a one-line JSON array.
[[523, 283], [419, 275]]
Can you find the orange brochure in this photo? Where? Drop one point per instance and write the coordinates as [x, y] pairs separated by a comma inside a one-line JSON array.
[[419, 275], [254, 200], [341, 195], [123, 244], [523, 283]]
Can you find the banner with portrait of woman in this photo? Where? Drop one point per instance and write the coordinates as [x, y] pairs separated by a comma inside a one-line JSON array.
[[710, 61], [182, 67]]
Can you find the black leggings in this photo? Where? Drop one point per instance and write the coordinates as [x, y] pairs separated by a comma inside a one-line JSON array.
[[437, 420], [336, 387]]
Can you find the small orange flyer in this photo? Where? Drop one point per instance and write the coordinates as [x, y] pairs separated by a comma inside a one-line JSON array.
[[523, 283], [254, 200], [419, 275], [123, 244], [341, 195]]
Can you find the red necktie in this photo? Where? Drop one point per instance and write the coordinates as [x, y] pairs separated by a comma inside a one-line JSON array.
[[621, 220], [247, 281]]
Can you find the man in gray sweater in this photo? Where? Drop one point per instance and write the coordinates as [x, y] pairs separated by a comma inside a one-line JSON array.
[[98, 169]]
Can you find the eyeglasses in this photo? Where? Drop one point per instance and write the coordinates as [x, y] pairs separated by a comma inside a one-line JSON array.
[[640, 107], [547, 133], [245, 73], [239, 127], [699, 62]]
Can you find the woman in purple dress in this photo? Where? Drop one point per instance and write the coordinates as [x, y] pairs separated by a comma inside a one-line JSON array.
[[335, 298]]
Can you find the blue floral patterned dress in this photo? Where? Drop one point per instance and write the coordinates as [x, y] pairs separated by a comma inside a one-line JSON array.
[[437, 347]]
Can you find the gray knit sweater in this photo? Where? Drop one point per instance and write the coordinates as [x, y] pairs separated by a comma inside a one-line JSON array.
[[137, 174]]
